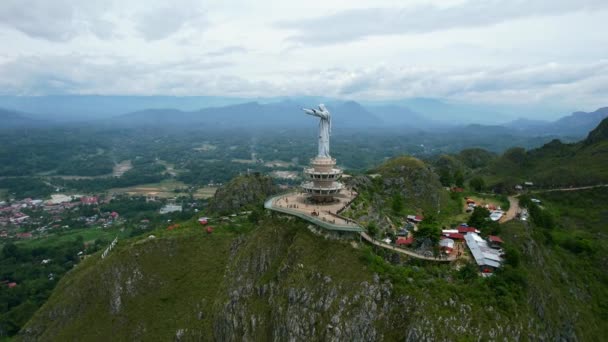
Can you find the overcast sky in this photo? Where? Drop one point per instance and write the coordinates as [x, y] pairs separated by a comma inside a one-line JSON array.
[[482, 51]]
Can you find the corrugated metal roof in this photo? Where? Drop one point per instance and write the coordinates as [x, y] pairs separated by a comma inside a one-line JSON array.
[[483, 254]]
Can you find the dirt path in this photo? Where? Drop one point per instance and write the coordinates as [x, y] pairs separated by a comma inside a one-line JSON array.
[[514, 202], [513, 210]]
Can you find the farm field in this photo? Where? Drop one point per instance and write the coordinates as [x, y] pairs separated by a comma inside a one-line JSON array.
[[164, 189]]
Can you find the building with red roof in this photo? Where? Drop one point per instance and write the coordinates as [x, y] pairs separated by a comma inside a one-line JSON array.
[[455, 236], [465, 230], [402, 241], [415, 218], [89, 200], [495, 241], [494, 238], [11, 285]]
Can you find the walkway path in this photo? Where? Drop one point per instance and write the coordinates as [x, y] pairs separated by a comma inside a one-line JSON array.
[[413, 254]]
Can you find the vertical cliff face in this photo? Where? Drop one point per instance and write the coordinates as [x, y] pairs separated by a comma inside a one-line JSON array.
[[279, 282], [280, 292]]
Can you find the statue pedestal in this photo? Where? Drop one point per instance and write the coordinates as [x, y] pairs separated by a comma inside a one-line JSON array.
[[322, 180]]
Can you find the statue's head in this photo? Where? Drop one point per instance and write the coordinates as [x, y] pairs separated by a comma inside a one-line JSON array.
[[322, 107]]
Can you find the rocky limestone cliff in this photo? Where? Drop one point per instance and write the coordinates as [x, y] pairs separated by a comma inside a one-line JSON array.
[[409, 179], [243, 192]]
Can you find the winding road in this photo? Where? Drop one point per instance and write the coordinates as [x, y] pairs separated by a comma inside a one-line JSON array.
[[514, 202]]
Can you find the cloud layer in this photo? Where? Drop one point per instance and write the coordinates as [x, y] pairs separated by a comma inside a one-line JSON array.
[[355, 24], [492, 51]]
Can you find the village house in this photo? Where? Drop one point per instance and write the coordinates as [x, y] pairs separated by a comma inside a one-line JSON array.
[[446, 245], [495, 242], [486, 258], [403, 241], [89, 200], [415, 218]]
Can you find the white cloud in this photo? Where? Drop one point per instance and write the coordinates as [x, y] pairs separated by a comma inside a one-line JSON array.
[[353, 24], [494, 51]]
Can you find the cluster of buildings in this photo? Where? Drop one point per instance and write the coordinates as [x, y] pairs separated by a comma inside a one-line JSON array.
[[11, 214], [496, 213], [487, 253], [38, 215]]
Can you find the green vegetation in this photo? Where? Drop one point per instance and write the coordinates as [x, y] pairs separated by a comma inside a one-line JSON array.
[[188, 279], [242, 193], [480, 219], [34, 280], [553, 165], [565, 260], [26, 187], [265, 276], [477, 184]]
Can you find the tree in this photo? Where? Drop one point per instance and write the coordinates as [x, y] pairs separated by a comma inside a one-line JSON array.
[[468, 272], [372, 229], [255, 215], [445, 177], [479, 218], [477, 184], [428, 231], [397, 203], [10, 250], [512, 256], [459, 179]]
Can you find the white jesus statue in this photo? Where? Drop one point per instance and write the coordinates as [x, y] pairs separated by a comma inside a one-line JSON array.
[[324, 129]]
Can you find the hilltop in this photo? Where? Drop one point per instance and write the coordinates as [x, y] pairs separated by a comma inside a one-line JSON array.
[[398, 187], [555, 164], [242, 192]]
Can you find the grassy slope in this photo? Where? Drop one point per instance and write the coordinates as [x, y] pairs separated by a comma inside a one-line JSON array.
[[88, 234], [172, 278], [181, 277], [554, 165]]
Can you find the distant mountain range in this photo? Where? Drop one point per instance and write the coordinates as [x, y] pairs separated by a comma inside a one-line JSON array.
[[284, 114], [11, 119], [575, 124], [404, 115]]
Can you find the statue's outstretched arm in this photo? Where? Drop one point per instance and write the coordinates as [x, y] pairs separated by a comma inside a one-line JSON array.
[[310, 112]]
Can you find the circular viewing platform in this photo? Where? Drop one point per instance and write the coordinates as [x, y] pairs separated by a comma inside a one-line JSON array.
[[331, 174], [322, 161], [325, 189]]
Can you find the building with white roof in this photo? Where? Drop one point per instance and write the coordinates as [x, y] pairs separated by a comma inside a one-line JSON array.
[[487, 258]]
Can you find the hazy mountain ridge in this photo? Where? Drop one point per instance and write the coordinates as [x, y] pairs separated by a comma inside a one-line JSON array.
[[252, 114], [11, 119], [575, 124], [411, 114]]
